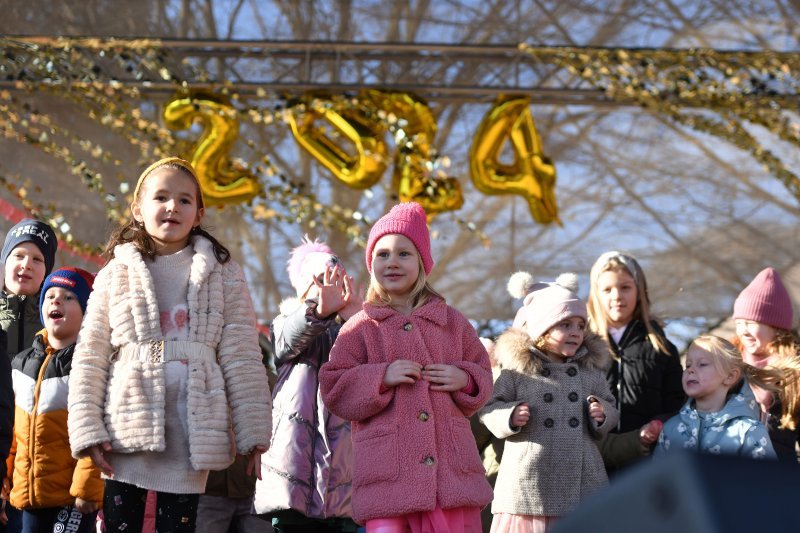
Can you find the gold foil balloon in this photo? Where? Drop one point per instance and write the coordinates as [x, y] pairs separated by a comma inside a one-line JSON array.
[[531, 174], [411, 178], [360, 167], [221, 181]]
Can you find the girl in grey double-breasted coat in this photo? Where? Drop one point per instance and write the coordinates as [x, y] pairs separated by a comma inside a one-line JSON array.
[[551, 403]]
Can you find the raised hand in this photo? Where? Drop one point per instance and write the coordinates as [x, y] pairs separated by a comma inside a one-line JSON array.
[[354, 299], [520, 415], [331, 291], [447, 378], [402, 371]]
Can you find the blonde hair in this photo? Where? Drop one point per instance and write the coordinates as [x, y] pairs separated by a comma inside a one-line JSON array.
[[598, 321], [420, 293], [786, 347], [725, 357]]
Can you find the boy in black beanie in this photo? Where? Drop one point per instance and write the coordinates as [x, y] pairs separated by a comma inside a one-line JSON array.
[[28, 255]]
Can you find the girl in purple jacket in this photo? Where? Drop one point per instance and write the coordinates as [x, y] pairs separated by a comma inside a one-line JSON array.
[[408, 370]]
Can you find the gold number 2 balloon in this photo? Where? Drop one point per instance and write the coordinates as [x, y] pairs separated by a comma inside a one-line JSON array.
[[531, 174], [411, 171], [221, 182], [360, 167]]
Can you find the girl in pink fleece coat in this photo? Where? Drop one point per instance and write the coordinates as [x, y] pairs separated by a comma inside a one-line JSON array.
[[408, 370]]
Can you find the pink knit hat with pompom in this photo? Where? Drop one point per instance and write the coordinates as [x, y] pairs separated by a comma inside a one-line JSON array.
[[406, 219], [765, 300], [308, 260], [547, 304]]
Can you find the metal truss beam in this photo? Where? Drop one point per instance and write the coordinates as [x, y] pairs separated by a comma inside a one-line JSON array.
[[436, 72]]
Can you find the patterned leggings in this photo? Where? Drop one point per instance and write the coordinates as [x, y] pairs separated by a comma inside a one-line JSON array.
[[123, 509]]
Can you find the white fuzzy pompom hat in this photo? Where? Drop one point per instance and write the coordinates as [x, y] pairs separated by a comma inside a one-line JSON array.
[[308, 260], [545, 304]]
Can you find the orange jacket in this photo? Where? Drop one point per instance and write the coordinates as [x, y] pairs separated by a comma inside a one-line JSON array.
[[45, 474]]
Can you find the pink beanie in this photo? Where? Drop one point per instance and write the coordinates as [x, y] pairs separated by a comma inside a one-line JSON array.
[[307, 260], [766, 301], [546, 307], [406, 219]]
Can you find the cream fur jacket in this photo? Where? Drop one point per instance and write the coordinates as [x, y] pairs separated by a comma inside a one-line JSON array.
[[117, 385]]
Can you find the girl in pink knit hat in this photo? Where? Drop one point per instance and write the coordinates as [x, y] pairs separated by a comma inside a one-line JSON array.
[[408, 370], [551, 404], [764, 319]]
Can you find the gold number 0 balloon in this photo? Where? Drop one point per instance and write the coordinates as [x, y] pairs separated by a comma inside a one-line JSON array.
[[531, 175], [220, 183], [359, 170], [410, 171]]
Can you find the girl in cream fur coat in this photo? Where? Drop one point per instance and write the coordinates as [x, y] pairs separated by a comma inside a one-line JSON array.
[[167, 368]]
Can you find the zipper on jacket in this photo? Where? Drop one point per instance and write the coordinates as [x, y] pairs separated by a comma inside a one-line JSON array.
[[32, 429], [619, 393], [619, 352], [20, 332]]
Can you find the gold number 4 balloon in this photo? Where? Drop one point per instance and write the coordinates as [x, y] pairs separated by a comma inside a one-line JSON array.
[[531, 174], [220, 181]]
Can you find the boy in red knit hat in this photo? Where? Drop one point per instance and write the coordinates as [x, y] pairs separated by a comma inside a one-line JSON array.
[[64, 494], [764, 318]]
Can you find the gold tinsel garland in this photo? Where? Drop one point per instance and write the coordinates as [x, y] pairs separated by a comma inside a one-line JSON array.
[[715, 92]]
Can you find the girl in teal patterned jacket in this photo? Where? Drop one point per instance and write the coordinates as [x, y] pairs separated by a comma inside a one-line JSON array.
[[721, 416]]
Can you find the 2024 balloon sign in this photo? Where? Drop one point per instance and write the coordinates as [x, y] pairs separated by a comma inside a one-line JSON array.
[[356, 154]]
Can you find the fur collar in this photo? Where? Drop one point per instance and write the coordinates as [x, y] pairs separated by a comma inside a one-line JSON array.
[[290, 305], [515, 351], [203, 262]]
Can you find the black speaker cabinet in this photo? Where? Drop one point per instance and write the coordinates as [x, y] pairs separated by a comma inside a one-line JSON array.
[[691, 493]]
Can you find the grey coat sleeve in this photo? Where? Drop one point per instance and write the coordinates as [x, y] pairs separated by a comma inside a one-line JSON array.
[[496, 414], [295, 332]]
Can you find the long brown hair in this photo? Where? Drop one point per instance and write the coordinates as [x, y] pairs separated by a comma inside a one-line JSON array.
[[598, 322], [134, 232]]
